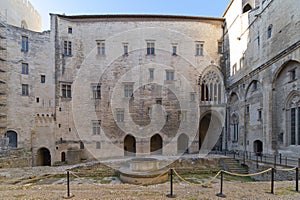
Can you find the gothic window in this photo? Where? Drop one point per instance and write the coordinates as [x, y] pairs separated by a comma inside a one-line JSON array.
[[235, 127], [294, 124], [211, 87], [270, 31]]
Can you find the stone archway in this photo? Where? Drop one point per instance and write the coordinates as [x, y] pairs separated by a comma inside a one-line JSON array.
[[210, 133], [43, 157], [13, 139], [156, 145], [183, 144], [129, 146]]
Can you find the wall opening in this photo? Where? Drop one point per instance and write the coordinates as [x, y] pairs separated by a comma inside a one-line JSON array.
[[13, 139], [258, 147], [43, 157], [129, 146], [183, 144], [156, 145]]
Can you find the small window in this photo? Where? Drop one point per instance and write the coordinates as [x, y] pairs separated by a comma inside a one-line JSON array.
[[174, 50], [43, 79], [151, 73], [24, 43], [25, 68], [98, 145], [66, 91], [101, 47], [199, 49], [96, 89], [96, 127], [192, 96], [149, 112], [159, 101], [128, 90], [270, 28], [25, 91], [259, 115], [81, 145], [120, 116], [125, 47], [70, 30], [37, 99], [258, 39], [169, 75], [150, 48], [220, 47], [67, 48], [292, 75], [247, 109]]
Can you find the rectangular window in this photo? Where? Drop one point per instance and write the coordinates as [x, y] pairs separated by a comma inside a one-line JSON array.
[[66, 91], [235, 132], [150, 48], [292, 75], [96, 91], [192, 96], [293, 126], [98, 145], [120, 116], [151, 73], [220, 47], [174, 50], [169, 75], [24, 44], [43, 79], [70, 30], [25, 68], [25, 91], [96, 127], [125, 46], [67, 48], [199, 49], [259, 115], [128, 90], [101, 47]]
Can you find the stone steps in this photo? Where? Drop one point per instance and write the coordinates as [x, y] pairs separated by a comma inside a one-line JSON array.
[[232, 165]]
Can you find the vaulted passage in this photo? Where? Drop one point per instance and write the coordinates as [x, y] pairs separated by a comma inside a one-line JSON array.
[[258, 147], [129, 146], [156, 145], [43, 157]]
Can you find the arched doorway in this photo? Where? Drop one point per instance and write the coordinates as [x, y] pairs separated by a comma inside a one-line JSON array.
[[156, 145], [129, 146], [13, 139], [43, 157], [63, 157], [210, 133], [183, 144], [258, 147]]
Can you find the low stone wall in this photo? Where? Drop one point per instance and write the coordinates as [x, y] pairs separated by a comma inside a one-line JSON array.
[[12, 158]]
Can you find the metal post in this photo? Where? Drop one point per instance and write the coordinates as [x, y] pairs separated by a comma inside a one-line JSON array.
[[272, 181], [298, 162], [244, 158], [280, 158], [297, 179], [171, 195], [221, 187], [256, 161], [68, 183]]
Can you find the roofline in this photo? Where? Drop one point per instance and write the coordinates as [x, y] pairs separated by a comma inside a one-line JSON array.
[[231, 2], [142, 16]]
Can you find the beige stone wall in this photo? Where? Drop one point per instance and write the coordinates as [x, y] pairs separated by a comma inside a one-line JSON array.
[[21, 13]]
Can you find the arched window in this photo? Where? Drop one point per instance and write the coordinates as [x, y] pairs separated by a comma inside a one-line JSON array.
[[270, 31], [294, 124], [246, 8], [211, 87], [235, 127]]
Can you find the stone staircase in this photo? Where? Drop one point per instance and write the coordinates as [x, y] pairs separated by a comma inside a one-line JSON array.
[[233, 165]]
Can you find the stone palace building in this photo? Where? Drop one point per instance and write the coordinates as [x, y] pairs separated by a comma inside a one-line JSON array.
[[108, 86]]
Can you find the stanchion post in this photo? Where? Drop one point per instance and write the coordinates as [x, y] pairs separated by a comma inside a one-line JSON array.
[[171, 195], [272, 180], [279, 158], [256, 161], [221, 187], [297, 179], [68, 183]]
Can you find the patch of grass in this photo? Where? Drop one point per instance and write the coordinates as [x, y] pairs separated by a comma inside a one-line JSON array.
[[19, 196]]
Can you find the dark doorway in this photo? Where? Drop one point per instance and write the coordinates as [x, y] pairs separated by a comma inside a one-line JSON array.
[[258, 147], [43, 157], [182, 144], [13, 139], [63, 157], [210, 133], [129, 146], [156, 145]]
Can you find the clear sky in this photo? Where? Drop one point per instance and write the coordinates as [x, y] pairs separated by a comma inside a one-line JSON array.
[[211, 8]]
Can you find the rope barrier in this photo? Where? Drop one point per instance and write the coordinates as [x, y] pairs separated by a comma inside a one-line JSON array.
[[244, 175], [290, 169]]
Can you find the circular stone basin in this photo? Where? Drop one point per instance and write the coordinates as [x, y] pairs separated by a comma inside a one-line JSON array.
[[144, 164], [143, 171]]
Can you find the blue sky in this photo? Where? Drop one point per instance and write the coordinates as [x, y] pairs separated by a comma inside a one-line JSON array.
[[212, 8]]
